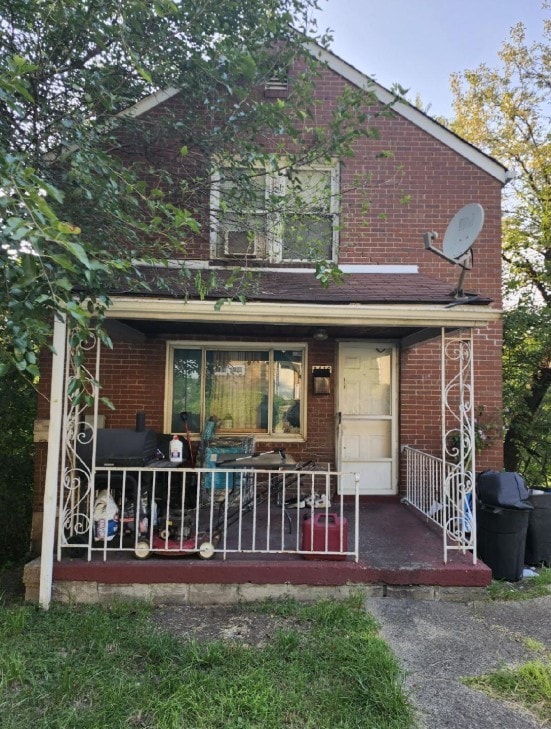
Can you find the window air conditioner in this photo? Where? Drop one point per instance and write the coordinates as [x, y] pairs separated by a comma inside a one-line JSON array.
[[239, 244]]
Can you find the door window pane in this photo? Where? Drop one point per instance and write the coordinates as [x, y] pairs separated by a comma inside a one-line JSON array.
[[378, 377], [367, 383]]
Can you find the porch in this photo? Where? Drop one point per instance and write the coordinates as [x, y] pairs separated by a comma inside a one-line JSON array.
[[399, 550], [389, 544]]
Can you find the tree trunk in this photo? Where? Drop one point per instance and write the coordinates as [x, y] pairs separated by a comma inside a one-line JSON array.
[[516, 437]]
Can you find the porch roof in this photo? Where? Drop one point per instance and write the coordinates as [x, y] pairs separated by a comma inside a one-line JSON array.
[[289, 286], [407, 306]]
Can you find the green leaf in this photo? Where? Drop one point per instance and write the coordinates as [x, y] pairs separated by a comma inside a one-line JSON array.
[[64, 261], [63, 283], [78, 251], [68, 228], [144, 74]]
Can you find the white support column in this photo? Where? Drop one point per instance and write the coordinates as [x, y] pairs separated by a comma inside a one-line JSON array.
[[443, 433], [458, 442], [52, 463]]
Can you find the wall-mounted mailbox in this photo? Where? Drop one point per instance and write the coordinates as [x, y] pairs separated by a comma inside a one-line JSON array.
[[321, 378]]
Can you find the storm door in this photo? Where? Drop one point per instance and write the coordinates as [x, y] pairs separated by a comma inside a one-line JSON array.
[[367, 414]]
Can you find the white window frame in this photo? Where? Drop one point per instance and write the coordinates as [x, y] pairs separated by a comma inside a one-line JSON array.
[[276, 181], [203, 347]]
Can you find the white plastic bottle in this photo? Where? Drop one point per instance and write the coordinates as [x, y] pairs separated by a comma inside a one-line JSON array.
[[176, 450]]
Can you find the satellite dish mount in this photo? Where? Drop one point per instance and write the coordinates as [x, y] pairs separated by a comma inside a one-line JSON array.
[[462, 231]]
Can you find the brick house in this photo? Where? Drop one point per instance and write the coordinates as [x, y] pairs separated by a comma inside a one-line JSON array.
[[378, 370]]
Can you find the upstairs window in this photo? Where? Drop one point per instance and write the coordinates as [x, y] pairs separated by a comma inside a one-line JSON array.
[[275, 216], [239, 214]]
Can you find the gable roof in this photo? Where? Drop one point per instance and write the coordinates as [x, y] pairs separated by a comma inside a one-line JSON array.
[[361, 80]]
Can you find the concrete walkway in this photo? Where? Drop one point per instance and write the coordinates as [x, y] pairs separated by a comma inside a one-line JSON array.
[[437, 643]]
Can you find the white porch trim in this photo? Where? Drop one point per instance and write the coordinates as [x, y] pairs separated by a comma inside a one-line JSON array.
[[254, 312]]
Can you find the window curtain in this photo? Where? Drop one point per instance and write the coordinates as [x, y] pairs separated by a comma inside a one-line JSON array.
[[237, 390]]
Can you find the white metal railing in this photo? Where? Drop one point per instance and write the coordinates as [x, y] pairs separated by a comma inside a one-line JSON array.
[[209, 511], [442, 492]]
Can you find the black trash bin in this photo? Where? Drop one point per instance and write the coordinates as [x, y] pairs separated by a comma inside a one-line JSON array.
[[538, 536], [503, 488], [501, 537]]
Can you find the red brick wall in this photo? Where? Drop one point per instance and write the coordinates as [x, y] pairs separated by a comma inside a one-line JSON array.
[[133, 378], [420, 402]]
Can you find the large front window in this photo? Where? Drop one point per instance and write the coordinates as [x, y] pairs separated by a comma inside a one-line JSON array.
[[280, 215], [257, 390]]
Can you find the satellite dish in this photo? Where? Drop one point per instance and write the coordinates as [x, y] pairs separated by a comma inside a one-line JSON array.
[[462, 231]]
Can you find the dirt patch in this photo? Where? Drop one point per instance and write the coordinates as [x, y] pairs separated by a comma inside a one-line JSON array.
[[223, 622], [188, 622]]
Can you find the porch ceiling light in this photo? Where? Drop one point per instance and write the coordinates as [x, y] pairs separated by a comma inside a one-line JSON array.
[[320, 335]]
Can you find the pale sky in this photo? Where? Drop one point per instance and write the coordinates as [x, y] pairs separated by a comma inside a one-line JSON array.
[[419, 43]]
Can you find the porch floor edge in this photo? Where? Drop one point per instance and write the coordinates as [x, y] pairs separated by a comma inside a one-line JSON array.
[[169, 577]]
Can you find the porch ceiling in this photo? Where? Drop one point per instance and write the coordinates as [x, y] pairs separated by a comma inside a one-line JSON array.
[[134, 329]]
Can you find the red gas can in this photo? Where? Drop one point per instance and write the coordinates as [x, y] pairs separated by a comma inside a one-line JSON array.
[[322, 533]]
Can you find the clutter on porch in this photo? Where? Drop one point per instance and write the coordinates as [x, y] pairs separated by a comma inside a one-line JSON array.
[[145, 493]]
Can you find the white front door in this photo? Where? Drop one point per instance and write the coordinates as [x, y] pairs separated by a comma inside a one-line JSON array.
[[367, 425]]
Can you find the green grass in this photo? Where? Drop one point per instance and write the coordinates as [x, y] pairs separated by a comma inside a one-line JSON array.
[[92, 667], [526, 589], [528, 686]]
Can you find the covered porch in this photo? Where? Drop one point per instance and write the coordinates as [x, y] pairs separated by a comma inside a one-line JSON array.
[[392, 540]]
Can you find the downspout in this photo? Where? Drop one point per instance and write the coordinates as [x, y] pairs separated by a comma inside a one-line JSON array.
[[52, 462]]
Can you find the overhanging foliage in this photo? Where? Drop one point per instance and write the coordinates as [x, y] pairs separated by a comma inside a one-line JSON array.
[[85, 191]]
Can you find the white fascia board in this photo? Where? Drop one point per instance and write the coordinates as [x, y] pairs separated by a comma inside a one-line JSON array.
[[277, 313], [150, 102], [178, 263], [411, 113]]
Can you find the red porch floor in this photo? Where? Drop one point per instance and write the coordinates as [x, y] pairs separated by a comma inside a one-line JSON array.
[[397, 547]]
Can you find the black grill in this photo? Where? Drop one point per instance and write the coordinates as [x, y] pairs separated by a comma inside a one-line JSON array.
[[121, 447]]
